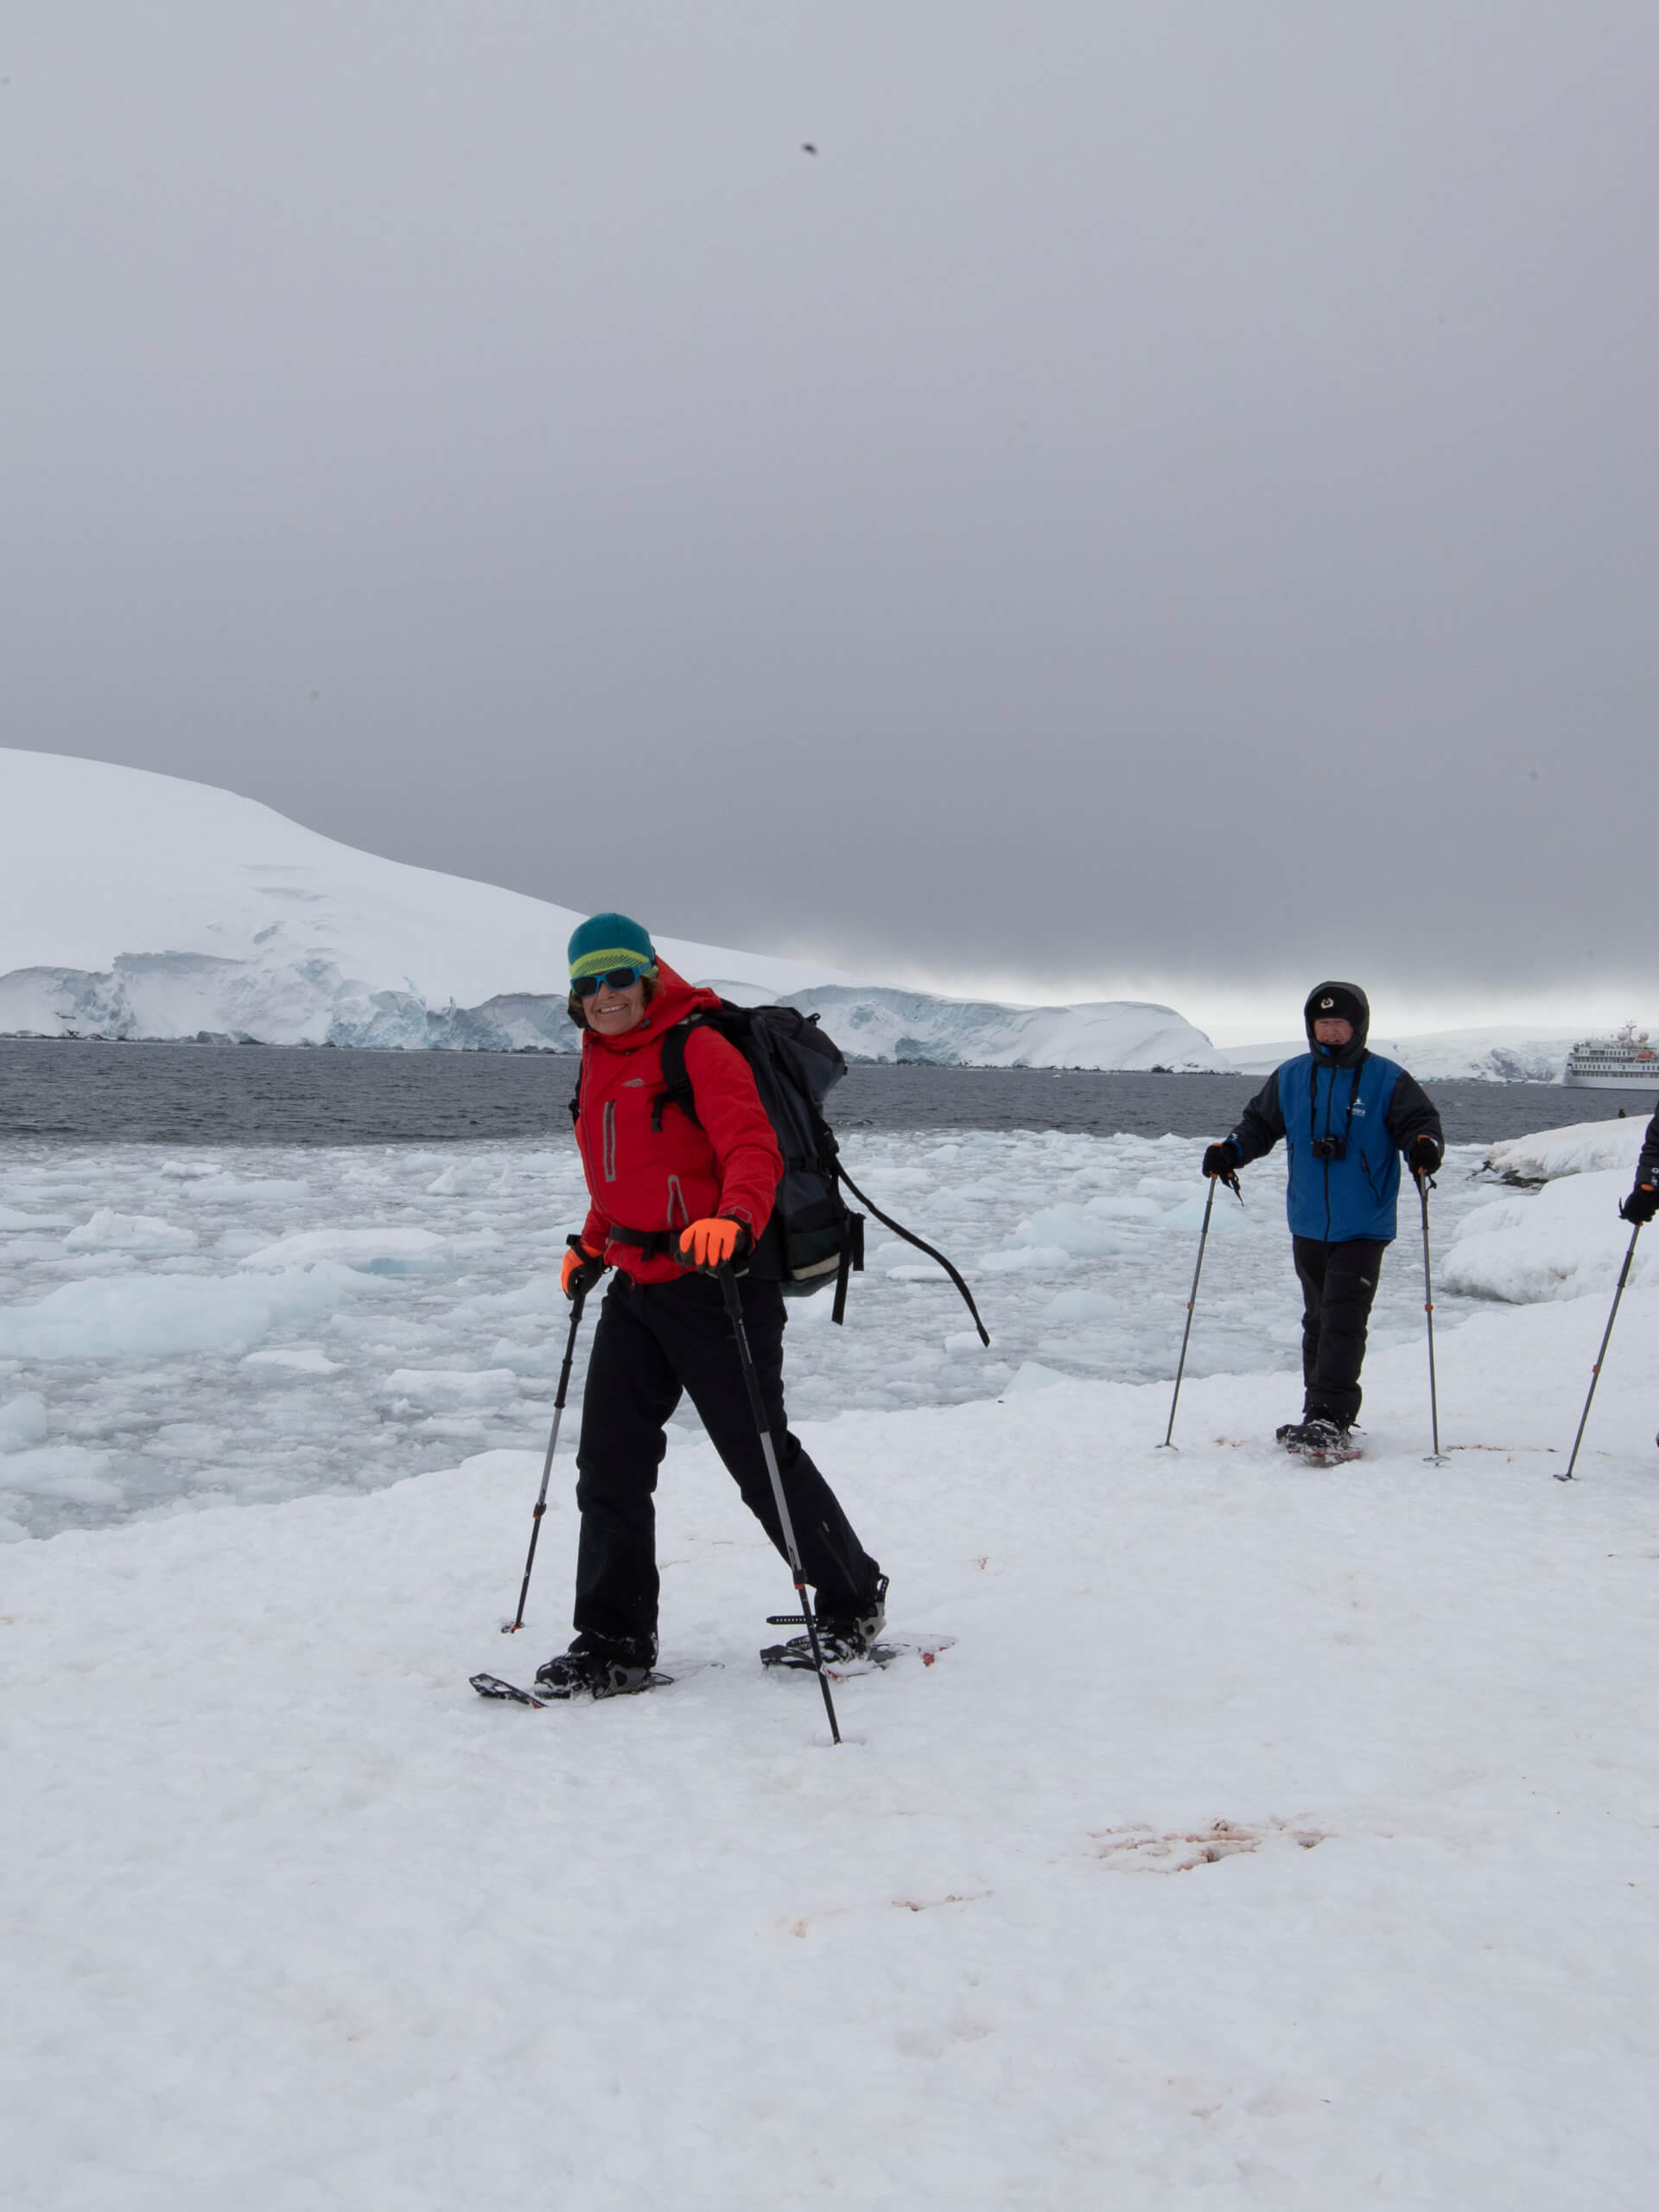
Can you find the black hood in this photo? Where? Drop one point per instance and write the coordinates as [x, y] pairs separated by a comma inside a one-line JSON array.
[[1352, 1004]]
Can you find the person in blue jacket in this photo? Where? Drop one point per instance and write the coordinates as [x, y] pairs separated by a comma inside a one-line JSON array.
[[1346, 1116], [1643, 1201]]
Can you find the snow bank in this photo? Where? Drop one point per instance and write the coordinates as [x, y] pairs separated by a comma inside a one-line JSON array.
[[1267, 1838], [1583, 1148], [141, 905], [1564, 1241]]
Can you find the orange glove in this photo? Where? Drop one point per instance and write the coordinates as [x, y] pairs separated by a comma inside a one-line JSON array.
[[581, 1268], [712, 1243]]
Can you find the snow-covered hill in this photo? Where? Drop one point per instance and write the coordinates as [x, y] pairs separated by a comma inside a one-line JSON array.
[[1518, 1055], [876, 1022], [141, 905]]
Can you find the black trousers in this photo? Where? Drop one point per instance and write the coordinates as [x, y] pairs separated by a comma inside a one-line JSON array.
[[1338, 1283], [653, 1343]]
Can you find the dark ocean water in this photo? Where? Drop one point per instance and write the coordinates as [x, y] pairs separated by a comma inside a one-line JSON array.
[[251, 1094]]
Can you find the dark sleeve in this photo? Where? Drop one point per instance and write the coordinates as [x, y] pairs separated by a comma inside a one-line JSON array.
[[1261, 1124], [1647, 1168], [1412, 1114]]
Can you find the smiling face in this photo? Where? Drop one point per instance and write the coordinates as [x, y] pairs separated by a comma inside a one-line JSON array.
[[613, 1012], [1331, 1029]]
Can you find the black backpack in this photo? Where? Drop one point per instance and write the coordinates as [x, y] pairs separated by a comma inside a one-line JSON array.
[[813, 1237]]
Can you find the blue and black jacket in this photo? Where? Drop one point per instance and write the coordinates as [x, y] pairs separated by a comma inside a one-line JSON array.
[[1647, 1168], [1371, 1106]]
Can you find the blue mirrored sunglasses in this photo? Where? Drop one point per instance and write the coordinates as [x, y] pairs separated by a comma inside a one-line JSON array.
[[619, 979]]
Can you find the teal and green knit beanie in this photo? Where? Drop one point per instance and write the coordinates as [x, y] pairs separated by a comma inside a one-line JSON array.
[[610, 941]]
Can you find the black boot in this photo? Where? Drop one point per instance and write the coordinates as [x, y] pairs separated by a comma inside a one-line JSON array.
[[597, 1666], [1322, 1440], [840, 1636]]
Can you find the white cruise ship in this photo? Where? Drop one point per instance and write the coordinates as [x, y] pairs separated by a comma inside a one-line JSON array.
[[1626, 1062]]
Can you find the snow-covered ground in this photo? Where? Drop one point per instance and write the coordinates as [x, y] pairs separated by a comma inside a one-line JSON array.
[[1267, 1837], [254, 1324], [134, 904]]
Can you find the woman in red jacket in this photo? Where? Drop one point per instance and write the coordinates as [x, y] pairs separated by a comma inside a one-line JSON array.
[[669, 1199]]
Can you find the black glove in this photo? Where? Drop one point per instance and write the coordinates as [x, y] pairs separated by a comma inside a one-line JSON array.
[[1642, 1204], [581, 1278], [1221, 1159], [1424, 1156]]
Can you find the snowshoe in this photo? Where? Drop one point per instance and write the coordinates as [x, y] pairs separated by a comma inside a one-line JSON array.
[[593, 1668], [493, 1686], [1320, 1442], [841, 1637]]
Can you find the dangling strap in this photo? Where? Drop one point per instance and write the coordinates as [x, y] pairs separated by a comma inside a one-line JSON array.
[[1312, 1100], [898, 1229]]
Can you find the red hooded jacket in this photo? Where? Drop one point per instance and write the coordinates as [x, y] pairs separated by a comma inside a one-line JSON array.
[[642, 1177]]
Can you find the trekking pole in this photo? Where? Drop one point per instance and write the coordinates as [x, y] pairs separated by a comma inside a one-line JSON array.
[[757, 1407], [1231, 1181], [1436, 1458], [1595, 1372], [510, 1628]]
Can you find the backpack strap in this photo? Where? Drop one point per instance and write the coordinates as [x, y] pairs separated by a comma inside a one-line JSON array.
[[576, 1095], [910, 1238], [678, 1083]]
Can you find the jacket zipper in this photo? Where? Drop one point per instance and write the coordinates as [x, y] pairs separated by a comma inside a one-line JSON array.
[[677, 1204], [608, 1150]]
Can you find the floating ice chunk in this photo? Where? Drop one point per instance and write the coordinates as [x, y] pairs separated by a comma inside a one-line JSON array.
[[68, 1472], [148, 1317], [466, 1177], [300, 1359], [1131, 1207], [190, 1171], [1075, 1228], [373, 1251], [229, 1190], [23, 1421], [1024, 1257], [1031, 1375], [10, 1219], [437, 1386], [109, 1231], [1227, 1216], [1084, 1305]]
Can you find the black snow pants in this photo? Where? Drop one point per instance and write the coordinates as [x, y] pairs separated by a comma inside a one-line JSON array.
[[654, 1342], [1338, 1283]]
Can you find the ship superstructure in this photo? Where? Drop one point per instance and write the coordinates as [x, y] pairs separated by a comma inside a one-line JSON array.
[[1625, 1062]]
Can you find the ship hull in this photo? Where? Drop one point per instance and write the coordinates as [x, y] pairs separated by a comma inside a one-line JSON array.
[[1639, 1079]]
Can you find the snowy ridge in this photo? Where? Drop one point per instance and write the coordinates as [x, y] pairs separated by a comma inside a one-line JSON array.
[[1518, 1055], [138, 905], [874, 1022]]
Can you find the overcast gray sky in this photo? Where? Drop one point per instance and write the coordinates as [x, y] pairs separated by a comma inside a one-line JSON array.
[[1163, 501]]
